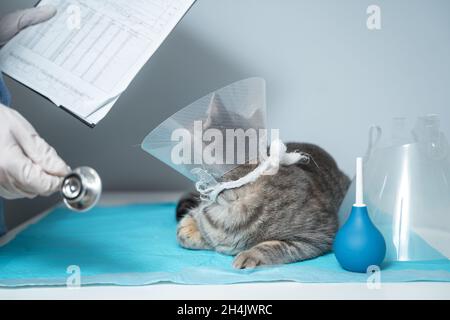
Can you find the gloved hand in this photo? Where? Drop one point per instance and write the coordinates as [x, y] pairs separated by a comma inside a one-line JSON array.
[[13, 23], [28, 165]]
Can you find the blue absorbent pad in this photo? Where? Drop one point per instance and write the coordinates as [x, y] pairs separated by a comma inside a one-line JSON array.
[[136, 245]]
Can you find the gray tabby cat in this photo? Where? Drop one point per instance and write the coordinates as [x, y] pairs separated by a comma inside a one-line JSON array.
[[278, 219]]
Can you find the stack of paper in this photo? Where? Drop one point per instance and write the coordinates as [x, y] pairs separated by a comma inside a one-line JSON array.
[[84, 58]]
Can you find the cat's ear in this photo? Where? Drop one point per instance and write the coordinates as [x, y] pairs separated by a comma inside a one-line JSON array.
[[257, 117], [216, 107], [216, 112]]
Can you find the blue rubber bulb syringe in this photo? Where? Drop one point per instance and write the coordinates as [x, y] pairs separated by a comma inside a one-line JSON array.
[[359, 244]]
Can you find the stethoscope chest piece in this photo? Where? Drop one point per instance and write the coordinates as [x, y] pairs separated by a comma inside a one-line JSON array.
[[81, 189]]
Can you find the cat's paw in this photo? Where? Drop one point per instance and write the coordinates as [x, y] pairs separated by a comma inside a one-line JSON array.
[[188, 235], [249, 259]]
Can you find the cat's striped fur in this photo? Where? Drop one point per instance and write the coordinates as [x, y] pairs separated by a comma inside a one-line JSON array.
[[284, 218]]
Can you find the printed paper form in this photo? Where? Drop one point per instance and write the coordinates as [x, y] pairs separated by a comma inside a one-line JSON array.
[[85, 69]]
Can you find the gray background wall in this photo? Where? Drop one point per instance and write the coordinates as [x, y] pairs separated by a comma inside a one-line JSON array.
[[328, 77]]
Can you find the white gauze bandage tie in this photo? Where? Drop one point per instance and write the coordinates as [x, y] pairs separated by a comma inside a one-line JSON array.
[[209, 188]]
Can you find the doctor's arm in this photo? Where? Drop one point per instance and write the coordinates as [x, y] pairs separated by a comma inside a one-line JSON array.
[[28, 165]]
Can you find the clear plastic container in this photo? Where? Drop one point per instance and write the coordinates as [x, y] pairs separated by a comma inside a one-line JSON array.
[[407, 190]]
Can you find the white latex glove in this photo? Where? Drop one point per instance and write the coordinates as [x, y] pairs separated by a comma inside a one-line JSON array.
[[13, 23], [28, 165]]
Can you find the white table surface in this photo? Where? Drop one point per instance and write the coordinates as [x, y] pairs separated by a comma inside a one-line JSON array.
[[253, 291]]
